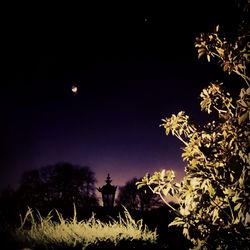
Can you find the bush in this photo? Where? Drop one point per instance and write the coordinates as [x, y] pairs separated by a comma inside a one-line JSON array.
[[214, 195]]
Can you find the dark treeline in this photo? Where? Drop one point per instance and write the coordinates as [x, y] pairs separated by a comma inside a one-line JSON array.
[[142, 199], [56, 186], [63, 185]]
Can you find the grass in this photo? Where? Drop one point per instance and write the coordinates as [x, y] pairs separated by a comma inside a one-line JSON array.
[[47, 233]]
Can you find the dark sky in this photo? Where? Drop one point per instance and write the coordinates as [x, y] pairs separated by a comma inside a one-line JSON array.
[[134, 64]]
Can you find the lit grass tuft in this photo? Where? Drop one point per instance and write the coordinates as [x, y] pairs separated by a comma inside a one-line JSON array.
[[43, 232]]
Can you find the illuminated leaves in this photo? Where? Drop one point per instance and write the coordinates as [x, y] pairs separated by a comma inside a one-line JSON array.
[[214, 97], [214, 195], [177, 222], [179, 126], [159, 182], [243, 106], [232, 56]]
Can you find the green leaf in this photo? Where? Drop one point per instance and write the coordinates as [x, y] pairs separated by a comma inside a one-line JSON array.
[[176, 222], [208, 57], [237, 206]]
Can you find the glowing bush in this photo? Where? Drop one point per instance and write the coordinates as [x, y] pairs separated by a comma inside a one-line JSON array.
[[214, 195]]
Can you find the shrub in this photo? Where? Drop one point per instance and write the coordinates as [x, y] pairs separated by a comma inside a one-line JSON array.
[[214, 195]]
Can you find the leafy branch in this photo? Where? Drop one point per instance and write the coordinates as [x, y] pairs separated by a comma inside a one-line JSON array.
[[213, 197]]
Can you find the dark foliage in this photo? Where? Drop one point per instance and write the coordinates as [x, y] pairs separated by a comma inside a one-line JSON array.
[[137, 199], [52, 187]]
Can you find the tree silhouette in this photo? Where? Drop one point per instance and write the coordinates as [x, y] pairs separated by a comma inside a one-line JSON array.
[[137, 199], [7, 208], [58, 186]]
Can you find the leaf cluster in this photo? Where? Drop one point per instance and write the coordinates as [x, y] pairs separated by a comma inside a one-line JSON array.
[[232, 56]]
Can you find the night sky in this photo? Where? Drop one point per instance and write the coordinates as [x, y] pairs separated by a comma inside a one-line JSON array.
[[133, 64]]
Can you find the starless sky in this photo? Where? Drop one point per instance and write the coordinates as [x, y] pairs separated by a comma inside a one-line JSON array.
[[133, 66]]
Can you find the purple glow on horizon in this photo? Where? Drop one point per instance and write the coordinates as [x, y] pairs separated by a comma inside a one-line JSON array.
[[129, 75]]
